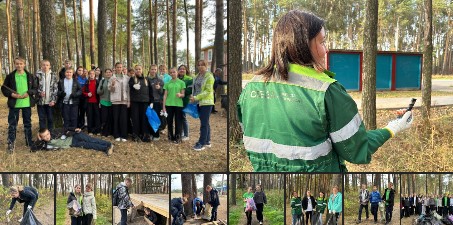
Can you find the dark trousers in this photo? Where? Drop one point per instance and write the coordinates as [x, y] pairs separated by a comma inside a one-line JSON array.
[[70, 116], [248, 214], [374, 211], [407, 211], [93, 116], [129, 121], [450, 209], [106, 120], [445, 211], [259, 209], [214, 213], [76, 220], [140, 123], [185, 125], [366, 211], [157, 107], [87, 219], [82, 111], [123, 217], [199, 208], [205, 129], [174, 113], [388, 213], [440, 210], [13, 120], [82, 140], [308, 216], [119, 121], [26, 206], [45, 114]]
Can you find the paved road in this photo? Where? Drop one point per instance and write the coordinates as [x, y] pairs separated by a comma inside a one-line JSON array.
[[398, 103]]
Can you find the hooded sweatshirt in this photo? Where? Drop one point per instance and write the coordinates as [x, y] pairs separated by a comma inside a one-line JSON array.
[[89, 204]]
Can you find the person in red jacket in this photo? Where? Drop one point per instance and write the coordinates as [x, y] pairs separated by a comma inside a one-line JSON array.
[[89, 91]]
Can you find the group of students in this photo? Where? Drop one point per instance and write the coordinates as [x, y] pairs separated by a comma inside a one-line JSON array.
[[259, 199], [426, 204], [113, 101], [198, 206], [308, 205], [82, 206], [387, 199]]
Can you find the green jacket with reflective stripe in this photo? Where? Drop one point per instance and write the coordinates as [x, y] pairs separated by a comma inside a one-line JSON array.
[[306, 124]]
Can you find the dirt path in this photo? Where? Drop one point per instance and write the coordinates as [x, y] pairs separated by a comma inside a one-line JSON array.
[[352, 219], [254, 220], [45, 214], [127, 157]]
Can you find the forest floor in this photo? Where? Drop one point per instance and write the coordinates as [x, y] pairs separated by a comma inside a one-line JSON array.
[[408, 220], [221, 212], [127, 157], [289, 218], [44, 209], [352, 219], [401, 153]]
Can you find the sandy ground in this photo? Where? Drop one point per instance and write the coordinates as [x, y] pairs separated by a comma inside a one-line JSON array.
[[289, 218], [352, 219], [127, 157], [221, 210]]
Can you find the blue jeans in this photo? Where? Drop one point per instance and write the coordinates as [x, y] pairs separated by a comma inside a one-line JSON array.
[[82, 140], [123, 217], [205, 128], [374, 210], [13, 120], [45, 113], [185, 125], [295, 219]]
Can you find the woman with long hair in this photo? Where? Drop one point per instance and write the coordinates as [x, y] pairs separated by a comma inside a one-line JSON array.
[[27, 195]]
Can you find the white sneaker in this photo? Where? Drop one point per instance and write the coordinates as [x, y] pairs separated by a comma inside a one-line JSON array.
[[207, 145], [123, 140], [185, 138], [63, 137], [261, 222], [20, 220], [156, 138], [117, 139]]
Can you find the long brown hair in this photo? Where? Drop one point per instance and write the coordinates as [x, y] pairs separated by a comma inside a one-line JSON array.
[[291, 43]]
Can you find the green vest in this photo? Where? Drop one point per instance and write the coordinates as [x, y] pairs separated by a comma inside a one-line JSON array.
[[296, 206], [321, 204], [306, 124]]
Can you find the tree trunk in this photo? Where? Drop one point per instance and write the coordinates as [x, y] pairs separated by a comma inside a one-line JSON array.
[[156, 60], [198, 24], [186, 181], [235, 69], [187, 35], [10, 36], [369, 65], [21, 29], [92, 45], [115, 15], [5, 180], [68, 47], [151, 30], [207, 180], [35, 37], [129, 34], [48, 29], [75, 31], [174, 60], [82, 34], [233, 189], [102, 35], [427, 60], [244, 48], [218, 42], [167, 34]]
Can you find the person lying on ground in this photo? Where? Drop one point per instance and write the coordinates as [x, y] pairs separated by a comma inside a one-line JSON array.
[[73, 139], [27, 195]]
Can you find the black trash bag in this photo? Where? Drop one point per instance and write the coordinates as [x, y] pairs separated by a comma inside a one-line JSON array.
[[30, 219], [332, 219], [315, 218]]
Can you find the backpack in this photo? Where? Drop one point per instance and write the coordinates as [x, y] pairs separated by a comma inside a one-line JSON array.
[[250, 205], [116, 199]]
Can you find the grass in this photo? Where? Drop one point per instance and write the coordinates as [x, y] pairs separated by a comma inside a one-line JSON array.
[[422, 148], [103, 205], [273, 210], [442, 77]]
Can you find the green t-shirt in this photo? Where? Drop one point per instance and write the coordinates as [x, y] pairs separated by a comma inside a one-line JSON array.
[[247, 195], [173, 87], [59, 143], [387, 196], [106, 103], [22, 88]]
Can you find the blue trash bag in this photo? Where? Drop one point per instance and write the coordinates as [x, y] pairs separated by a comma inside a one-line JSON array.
[[153, 118], [192, 110]]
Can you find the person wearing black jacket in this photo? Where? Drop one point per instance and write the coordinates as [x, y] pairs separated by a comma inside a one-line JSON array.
[[213, 201], [67, 65], [389, 198], [27, 195], [76, 216], [69, 92], [140, 95], [177, 210], [445, 204], [308, 205], [259, 197], [21, 89], [407, 205], [217, 82], [151, 216]]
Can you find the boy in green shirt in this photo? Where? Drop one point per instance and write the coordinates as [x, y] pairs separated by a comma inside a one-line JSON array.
[[174, 92], [20, 87]]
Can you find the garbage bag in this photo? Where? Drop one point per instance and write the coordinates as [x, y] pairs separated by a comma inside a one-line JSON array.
[[30, 219], [153, 118], [316, 218], [250, 205], [192, 110]]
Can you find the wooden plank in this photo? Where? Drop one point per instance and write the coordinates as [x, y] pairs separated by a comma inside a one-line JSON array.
[[148, 221], [157, 202]]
